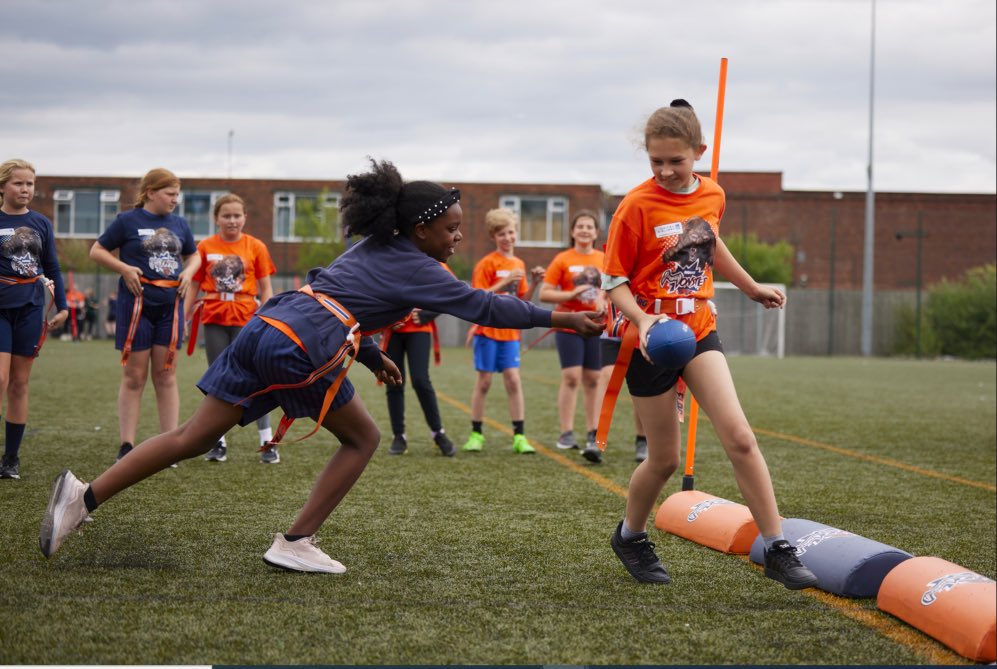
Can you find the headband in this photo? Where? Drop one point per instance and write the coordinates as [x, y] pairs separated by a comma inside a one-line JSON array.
[[438, 207]]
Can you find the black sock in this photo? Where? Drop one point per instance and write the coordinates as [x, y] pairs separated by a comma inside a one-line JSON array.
[[640, 438], [517, 426], [14, 435], [89, 501], [295, 537], [476, 426]]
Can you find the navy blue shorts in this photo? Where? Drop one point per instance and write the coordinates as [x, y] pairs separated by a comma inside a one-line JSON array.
[[20, 329], [155, 325], [262, 356], [575, 350], [610, 348], [647, 380]]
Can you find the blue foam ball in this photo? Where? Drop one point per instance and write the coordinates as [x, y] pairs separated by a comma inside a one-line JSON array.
[[671, 343]]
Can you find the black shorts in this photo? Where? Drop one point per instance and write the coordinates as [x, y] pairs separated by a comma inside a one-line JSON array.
[[610, 348], [647, 380]]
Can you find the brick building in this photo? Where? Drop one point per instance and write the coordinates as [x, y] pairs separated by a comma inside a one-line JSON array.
[[951, 232]]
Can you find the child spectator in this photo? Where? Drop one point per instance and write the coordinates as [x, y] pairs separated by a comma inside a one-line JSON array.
[[496, 350]]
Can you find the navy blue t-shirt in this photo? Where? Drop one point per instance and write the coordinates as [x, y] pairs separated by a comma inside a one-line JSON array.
[[27, 249], [155, 244]]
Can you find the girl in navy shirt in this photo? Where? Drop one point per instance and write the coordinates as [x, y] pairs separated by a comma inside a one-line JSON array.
[[156, 259], [296, 349], [27, 259]]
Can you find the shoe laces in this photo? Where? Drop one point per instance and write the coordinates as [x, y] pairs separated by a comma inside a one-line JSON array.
[[783, 556], [645, 551]]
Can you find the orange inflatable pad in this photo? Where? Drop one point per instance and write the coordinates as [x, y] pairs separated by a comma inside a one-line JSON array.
[[712, 521], [956, 606]]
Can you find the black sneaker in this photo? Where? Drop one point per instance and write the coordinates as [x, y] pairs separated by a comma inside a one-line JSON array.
[[446, 446], [638, 556], [640, 450], [270, 456], [10, 467], [125, 449], [782, 564], [592, 453], [219, 453], [398, 445]]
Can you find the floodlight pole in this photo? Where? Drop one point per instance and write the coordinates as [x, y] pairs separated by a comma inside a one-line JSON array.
[[870, 207], [231, 133]]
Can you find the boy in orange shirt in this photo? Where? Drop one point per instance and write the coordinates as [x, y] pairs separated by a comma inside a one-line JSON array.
[[497, 349]]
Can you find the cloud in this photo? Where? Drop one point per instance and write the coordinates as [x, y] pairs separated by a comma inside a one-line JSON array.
[[510, 92]]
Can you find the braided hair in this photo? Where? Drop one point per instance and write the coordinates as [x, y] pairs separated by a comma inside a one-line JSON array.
[[380, 205]]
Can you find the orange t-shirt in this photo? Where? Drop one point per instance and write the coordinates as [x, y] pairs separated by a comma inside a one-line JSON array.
[[231, 267], [665, 244], [569, 269], [487, 273], [408, 326]]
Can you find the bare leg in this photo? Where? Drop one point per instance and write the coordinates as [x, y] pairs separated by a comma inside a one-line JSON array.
[[590, 388], [359, 437], [659, 416], [478, 395], [196, 436], [710, 381], [17, 389], [567, 396], [133, 378], [164, 381], [514, 389]]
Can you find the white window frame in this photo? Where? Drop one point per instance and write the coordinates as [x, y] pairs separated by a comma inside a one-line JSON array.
[[288, 200], [105, 213], [213, 196], [556, 205]]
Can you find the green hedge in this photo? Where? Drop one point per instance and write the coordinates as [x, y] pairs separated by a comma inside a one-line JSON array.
[[959, 318]]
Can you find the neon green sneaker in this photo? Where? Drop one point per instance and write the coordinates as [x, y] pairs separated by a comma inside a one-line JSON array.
[[521, 445], [474, 443]]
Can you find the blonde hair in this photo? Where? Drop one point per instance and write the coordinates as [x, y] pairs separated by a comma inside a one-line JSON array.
[[155, 179], [499, 219], [677, 121], [7, 171], [228, 198]]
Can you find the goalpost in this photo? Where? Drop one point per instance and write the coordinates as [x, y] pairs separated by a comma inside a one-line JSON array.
[[746, 327]]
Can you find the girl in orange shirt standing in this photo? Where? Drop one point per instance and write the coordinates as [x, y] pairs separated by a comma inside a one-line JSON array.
[[663, 245], [572, 282], [234, 279]]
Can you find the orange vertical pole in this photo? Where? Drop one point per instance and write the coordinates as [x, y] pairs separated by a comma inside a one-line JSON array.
[[688, 480]]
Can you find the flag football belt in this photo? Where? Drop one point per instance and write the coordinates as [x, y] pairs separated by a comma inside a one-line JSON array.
[[171, 351], [195, 318], [678, 306], [13, 281], [343, 358]]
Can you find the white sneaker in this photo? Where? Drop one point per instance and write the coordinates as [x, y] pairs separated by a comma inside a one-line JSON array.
[[301, 555], [65, 513]]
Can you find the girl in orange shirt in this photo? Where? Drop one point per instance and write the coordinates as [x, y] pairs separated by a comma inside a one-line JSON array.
[[663, 245], [234, 279], [572, 282]]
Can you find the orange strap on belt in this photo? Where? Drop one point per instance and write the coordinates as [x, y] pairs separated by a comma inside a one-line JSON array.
[[171, 352], [343, 357], [627, 347], [195, 317], [14, 280]]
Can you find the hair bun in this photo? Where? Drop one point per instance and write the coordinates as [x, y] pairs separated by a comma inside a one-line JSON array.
[[679, 102]]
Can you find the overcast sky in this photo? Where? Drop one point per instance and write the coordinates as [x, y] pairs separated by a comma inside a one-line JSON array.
[[503, 90]]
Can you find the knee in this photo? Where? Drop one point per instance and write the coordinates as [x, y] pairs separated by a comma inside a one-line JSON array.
[[742, 444], [422, 384], [164, 379], [484, 384], [570, 382], [133, 380], [17, 387]]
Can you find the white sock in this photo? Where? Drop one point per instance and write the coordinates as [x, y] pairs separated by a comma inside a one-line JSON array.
[[266, 434], [222, 442], [771, 540], [627, 534]]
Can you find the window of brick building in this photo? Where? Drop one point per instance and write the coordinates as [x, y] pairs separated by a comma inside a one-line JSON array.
[[84, 212], [543, 220], [196, 206], [305, 216]]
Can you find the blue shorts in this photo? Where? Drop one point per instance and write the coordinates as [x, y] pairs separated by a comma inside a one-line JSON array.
[[647, 380], [155, 325], [262, 356], [20, 329], [575, 350], [491, 355]]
